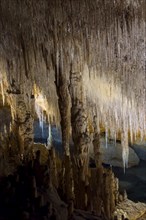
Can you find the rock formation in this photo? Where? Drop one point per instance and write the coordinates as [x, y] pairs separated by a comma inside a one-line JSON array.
[[113, 154], [79, 65]]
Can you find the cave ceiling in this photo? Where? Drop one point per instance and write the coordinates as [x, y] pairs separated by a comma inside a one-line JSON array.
[[103, 40]]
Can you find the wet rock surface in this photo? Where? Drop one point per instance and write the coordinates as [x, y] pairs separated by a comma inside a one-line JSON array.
[[133, 181], [140, 148], [112, 154]]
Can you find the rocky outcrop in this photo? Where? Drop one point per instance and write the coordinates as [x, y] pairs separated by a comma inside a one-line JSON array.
[[140, 148], [113, 154], [130, 210]]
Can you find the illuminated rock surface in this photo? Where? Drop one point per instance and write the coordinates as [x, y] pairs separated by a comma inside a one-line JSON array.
[[113, 154]]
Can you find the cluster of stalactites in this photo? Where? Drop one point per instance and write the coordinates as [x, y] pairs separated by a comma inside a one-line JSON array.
[[115, 111], [105, 39], [45, 112], [110, 55]]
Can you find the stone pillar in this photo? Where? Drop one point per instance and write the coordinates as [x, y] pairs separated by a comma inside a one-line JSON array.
[[95, 183], [96, 142], [108, 195], [96, 180], [22, 125], [79, 121], [80, 137], [64, 107]]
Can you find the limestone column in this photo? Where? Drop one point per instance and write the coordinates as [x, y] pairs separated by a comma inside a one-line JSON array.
[[96, 142], [22, 124], [80, 137], [64, 107]]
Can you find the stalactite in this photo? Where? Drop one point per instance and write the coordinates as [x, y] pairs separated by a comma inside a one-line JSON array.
[[39, 111], [49, 139], [125, 149], [45, 111]]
